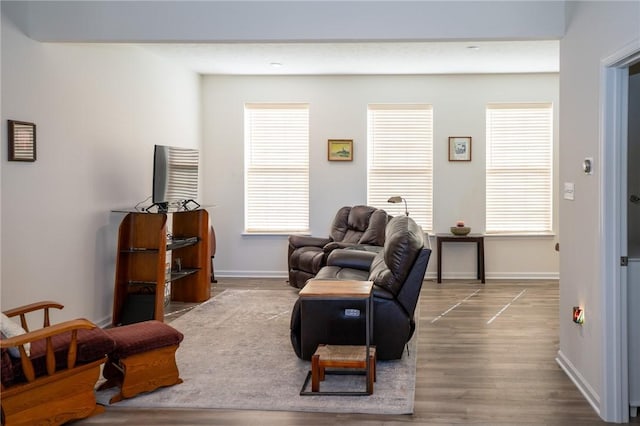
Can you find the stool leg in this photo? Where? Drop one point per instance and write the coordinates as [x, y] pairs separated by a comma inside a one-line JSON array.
[[373, 366], [112, 375], [372, 374], [315, 373]]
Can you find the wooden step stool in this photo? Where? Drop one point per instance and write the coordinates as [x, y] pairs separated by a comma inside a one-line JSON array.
[[342, 356], [143, 360]]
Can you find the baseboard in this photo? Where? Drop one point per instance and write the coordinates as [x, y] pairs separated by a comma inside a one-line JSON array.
[[513, 276], [104, 322], [583, 386], [524, 276], [252, 274]]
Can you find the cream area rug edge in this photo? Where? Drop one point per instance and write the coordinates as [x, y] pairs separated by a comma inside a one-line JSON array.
[[237, 354]]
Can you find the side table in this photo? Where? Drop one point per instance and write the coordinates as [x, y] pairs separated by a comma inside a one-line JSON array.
[[471, 238], [327, 291]]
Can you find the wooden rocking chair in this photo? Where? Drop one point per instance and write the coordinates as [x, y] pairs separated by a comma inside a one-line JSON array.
[[55, 382]]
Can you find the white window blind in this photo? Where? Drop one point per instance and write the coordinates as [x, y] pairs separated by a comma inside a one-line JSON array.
[[400, 159], [519, 168], [276, 168]]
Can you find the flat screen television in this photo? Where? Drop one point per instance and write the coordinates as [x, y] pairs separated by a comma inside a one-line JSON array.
[[175, 177]]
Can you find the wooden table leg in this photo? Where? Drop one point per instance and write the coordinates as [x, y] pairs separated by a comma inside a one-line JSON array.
[[315, 373], [439, 259], [481, 260]]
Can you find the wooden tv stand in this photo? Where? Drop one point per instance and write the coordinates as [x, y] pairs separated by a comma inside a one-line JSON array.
[[149, 263]]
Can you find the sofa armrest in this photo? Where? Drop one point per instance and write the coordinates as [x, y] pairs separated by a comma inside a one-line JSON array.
[[335, 245], [355, 259], [296, 241]]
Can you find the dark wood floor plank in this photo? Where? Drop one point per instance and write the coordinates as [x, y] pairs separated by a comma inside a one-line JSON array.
[[468, 371]]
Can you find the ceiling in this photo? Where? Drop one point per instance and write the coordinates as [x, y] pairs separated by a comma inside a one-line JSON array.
[[442, 57]]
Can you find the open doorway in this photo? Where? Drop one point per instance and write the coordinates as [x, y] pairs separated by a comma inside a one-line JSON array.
[[633, 238], [616, 361]]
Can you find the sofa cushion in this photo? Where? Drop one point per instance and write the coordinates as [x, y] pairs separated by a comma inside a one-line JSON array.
[[375, 232], [390, 267], [142, 337], [351, 258], [342, 274], [309, 258], [6, 367], [352, 223], [92, 345], [9, 329]]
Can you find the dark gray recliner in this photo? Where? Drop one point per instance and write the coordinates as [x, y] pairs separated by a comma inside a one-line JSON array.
[[363, 226], [397, 272]]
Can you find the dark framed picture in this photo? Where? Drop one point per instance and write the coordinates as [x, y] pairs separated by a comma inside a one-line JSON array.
[[340, 150], [22, 141], [460, 148]]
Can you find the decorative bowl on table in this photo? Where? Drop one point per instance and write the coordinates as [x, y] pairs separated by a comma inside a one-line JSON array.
[[460, 230]]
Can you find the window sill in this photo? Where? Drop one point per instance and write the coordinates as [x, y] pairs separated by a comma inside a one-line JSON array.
[[273, 233], [521, 235], [511, 235]]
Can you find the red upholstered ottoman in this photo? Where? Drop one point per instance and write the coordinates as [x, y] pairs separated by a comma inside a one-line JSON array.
[[143, 360]]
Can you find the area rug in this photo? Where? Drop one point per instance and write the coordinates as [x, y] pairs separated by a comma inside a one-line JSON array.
[[236, 354]]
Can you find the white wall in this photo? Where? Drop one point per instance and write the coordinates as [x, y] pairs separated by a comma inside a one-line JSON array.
[[595, 30], [98, 109], [338, 109]]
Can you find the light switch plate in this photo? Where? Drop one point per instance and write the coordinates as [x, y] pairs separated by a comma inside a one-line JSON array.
[[569, 191]]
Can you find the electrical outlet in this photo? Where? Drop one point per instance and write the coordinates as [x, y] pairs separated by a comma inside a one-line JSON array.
[[578, 315]]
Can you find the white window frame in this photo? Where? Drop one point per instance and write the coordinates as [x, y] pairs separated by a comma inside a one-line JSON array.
[[519, 168], [400, 159], [276, 175]]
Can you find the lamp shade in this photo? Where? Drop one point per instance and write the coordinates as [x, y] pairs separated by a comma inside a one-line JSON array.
[[398, 199]]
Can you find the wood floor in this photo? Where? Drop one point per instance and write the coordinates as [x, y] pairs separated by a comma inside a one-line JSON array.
[[486, 355]]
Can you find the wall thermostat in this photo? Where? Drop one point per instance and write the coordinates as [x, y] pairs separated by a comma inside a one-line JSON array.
[[587, 165]]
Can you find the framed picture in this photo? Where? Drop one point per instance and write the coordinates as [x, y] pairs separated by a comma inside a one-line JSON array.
[[22, 141], [460, 148], [340, 150]]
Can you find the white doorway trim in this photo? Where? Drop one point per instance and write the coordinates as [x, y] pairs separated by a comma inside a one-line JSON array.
[[613, 185]]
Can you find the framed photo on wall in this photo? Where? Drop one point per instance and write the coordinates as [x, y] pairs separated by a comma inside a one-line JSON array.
[[460, 148], [340, 150], [22, 140]]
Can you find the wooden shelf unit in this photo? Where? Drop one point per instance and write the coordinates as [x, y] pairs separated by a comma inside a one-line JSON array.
[[141, 264]]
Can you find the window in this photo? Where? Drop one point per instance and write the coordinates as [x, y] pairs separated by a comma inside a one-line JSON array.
[[276, 168], [400, 159], [519, 168]]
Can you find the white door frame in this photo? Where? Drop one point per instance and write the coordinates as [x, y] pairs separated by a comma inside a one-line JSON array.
[[613, 201]]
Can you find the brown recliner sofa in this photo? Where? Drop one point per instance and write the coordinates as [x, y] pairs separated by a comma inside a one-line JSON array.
[[397, 273], [362, 226]]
